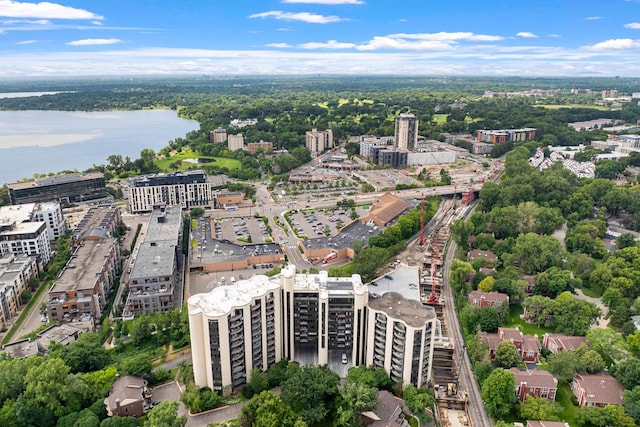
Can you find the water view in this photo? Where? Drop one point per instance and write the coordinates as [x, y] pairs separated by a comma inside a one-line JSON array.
[[51, 141]]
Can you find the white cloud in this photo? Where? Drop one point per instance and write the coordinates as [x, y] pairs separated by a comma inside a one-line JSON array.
[[27, 42], [593, 18], [283, 29], [526, 35], [279, 45], [97, 23], [46, 10], [556, 36], [633, 25], [311, 18], [448, 36], [616, 44], [93, 42], [324, 1], [25, 21], [331, 44], [388, 42]]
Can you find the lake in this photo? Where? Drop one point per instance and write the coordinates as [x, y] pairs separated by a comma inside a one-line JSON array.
[[51, 141]]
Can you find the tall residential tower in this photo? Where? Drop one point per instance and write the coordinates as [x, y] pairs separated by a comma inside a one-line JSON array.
[[406, 131]]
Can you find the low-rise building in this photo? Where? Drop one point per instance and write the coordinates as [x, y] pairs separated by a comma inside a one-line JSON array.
[[20, 233], [535, 383], [98, 223], [561, 342], [487, 299], [129, 397], [83, 287], [253, 147], [489, 257], [155, 279], [385, 209], [597, 390], [507, 135], [527, 346], [15, 272]]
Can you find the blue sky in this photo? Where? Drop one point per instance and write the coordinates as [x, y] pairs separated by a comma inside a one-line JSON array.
[[223, 37]]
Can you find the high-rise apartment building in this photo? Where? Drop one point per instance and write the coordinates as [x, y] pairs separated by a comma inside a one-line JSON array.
[[235, 142], [317, 141], [406, 131], [309, 318], [218, 135]]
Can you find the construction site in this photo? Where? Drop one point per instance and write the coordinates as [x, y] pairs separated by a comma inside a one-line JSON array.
[[429, 252]]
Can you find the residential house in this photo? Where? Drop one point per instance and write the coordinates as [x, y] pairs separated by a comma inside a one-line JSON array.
[[129, 397], [487, 299], [535, 383], [490, 258], [558, 342], [597, 390], [530, 279], [527, 346], [388, 413]]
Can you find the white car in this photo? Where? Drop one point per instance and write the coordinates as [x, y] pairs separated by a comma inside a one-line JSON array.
[[344, 358]]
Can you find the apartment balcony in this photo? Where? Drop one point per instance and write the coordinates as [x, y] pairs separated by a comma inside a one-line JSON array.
[[399, 328], [399, 342]]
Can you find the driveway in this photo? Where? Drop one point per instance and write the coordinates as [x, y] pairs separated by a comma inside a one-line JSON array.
[[602, 322], [169, 392], [215, 416]]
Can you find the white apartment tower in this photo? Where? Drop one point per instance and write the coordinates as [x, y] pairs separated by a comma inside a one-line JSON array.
[[312, 319], [319, 141], [406, 131], [236, 142]]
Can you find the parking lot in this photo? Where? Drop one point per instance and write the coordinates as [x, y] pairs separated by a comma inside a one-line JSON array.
[[386, 179], [242, 230], [322, 222]]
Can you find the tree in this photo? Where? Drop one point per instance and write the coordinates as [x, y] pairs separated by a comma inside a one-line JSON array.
[[627, 372], [609, 416], [534, 253], [139, 366], [625, 240], [373, 377], [608, 343], [119, 422], [165, 414], [498, 392], [419, 400], [100, 382], [632, 403], [538, 408], [267, 410], [86, 354], [506, 354], [563, 365], [486, 285], [356, 398], [309, 391], [460, 231], [554, 281], [488, 319]]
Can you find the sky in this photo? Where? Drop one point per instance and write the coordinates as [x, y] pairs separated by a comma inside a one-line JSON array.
[[315, 37]]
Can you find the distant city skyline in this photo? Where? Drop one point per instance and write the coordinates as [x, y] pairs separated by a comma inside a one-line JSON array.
[[411, 37]]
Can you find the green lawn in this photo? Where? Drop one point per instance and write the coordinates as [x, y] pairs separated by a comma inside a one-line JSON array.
[[527, 328], [223, 162], [563, 397], [558, 106], [440, 118], [595, 292]]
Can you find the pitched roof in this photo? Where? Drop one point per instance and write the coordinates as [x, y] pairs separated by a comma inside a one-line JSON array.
[[475, 254], [601, 388], [126, 390], [496, 297], [514, 334], [567, 342], [385, 208], [534, 378]]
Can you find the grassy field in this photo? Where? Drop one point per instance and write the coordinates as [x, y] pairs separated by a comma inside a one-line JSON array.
[[558, 106], [222, 162], [526, 328], [563, 397], [440, 118]]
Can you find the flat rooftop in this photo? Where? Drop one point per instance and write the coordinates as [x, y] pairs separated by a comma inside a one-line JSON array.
[[404, 280], [16, 213], [55, 180], [221, 300], [164, 225], [64, 334], [321, 281], [413, 313], [80, 272], [154, 259], [21, 349]]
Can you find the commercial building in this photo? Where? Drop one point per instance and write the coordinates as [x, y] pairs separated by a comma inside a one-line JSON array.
[[218, 135], [155, 279], [189, 189], [67, 189], [318, 141], [309, 318], [406, 131], [392, 158], [432, 157], [368, 141], [21, 234], [82, 289], [507, 135]]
